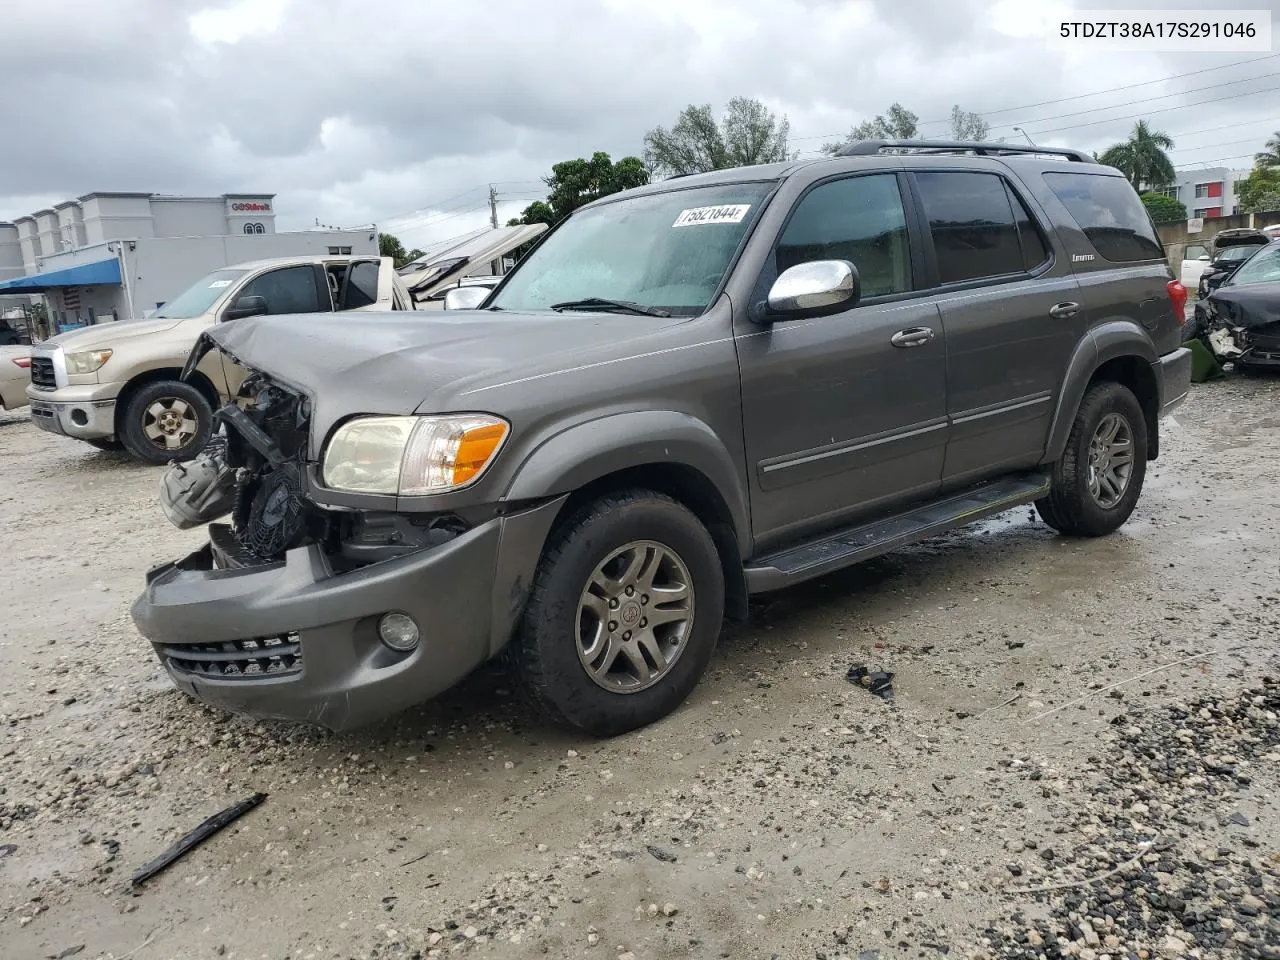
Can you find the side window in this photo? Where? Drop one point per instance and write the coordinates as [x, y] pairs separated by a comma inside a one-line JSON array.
[[1110, 214], [362, 286], [972, 225], [859, 219], [289, 290], [1195, 251]]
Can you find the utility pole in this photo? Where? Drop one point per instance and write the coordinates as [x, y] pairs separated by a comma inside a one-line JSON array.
[[493, 206]]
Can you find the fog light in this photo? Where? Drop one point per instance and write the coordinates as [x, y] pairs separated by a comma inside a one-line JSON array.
[[399, 632]]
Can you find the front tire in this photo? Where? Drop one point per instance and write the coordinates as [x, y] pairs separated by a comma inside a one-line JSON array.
[[166, 420], [1097, 481], [626, 607]]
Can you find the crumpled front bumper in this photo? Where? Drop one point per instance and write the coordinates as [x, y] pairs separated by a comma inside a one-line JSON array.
[[293, 640]]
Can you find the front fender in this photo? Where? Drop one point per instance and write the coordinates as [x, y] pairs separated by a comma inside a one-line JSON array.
[[1107, 341], [581, 454]]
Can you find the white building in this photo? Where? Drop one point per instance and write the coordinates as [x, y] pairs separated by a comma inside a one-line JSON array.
[[1208, 192], [108, 256]]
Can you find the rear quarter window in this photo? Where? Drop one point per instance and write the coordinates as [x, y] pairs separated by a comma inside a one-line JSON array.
[[1109, 212]]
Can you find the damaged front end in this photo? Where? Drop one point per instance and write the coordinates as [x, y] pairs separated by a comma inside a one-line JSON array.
[[287, 610], [1242, 325], [254, 472]]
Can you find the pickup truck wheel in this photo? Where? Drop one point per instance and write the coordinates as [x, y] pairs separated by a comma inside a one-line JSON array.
[[625, 611], [166, 420], [1097, 482]]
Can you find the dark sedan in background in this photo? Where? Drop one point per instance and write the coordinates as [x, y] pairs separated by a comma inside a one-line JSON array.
[[1240, 320]]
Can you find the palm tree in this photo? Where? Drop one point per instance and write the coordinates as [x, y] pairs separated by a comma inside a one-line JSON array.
[[1142, 157], [1271, 156]]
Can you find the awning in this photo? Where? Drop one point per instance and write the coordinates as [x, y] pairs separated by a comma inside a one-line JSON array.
[[102, 273]]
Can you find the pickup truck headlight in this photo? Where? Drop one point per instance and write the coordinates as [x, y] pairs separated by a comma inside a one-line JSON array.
[[90, 361], [411, 456]]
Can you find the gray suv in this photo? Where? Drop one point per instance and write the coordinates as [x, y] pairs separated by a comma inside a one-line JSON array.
[[685, 394]]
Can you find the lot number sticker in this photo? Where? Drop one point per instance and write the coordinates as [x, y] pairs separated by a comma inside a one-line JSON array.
[[219, 284], [697, 216]]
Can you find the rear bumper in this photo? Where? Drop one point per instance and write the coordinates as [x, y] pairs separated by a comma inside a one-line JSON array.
[[295, 641], [1173, 375]]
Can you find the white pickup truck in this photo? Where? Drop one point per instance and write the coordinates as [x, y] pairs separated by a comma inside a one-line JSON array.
[[118, 384]]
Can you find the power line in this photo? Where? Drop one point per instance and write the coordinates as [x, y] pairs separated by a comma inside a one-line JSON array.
[[1096, 93], [432, 204], [1147, 113]]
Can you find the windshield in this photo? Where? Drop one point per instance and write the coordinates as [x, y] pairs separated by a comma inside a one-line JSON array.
[[1236, 254], [1263, 268], [666, 250], [199, 297]]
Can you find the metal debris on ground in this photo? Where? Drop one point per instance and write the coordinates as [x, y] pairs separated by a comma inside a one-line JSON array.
[[659, 854], [196, 837], [879, 682]]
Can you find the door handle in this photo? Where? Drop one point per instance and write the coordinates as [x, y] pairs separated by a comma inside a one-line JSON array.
[[912, 337], [1064, 311]]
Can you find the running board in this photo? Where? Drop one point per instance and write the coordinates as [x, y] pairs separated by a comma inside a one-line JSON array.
[[855, 544]]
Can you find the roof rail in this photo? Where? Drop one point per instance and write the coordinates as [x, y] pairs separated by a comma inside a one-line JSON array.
[[867, 148]]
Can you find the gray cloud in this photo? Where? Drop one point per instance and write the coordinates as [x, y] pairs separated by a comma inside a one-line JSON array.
[[358, 110]]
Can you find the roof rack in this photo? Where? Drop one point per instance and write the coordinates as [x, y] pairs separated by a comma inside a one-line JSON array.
[[867, 148]]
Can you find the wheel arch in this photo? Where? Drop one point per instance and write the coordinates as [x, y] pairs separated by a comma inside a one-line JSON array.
[[1120, 351]]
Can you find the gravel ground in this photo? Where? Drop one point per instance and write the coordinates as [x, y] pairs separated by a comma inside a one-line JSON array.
[[1079, 758]]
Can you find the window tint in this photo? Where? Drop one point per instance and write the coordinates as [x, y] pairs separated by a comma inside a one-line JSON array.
[[1110, 214], [861, 220], [1195, 252], [972, 225], [290, 290], [362, 286], [1034, 249]]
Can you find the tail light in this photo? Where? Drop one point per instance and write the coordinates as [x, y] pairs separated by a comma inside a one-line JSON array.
[[1178, 300], [23, 362]]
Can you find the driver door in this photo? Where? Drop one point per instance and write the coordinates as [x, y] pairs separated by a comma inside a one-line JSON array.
[[843, 416]]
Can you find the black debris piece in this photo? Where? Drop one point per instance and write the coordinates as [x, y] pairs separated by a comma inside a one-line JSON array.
[[7, 849], [196, 837], [1014, 644], [719, 738], [658, 853], [1239, 819], [69, 952], [879, 682]]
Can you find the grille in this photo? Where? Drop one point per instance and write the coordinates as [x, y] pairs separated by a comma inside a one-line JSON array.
[[1268, 342], [259, 658], [42, 373]]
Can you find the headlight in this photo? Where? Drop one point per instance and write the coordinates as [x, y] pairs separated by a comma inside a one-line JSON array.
[[411, 456], [88, 362]]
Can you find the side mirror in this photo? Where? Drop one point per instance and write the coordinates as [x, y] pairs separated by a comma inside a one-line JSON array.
[[812, 288], [465, 298], [245, 307]]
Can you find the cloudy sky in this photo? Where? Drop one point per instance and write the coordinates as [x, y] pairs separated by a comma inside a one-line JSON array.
[[402, 113]]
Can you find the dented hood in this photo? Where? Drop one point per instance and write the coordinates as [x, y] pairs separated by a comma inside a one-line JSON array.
[[415, 362], [1251, 306]]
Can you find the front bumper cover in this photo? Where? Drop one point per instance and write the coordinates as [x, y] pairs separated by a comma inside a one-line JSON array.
[[84, 420], [465, 596]]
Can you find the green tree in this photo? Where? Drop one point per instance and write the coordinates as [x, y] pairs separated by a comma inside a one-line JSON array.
[[1164, 209], [750, 133], [1270, 156], [389, 245], [1142, 157], [896, 123], [1260, 191], [967, 126], [574, 183]]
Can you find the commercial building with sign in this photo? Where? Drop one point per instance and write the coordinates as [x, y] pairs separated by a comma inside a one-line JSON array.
[[109, 256]]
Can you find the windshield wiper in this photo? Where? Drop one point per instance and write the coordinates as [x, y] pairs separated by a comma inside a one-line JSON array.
[[606, 306]]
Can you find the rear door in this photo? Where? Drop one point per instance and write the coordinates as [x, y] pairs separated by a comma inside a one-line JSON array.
[[362, 286], [1010, 308]]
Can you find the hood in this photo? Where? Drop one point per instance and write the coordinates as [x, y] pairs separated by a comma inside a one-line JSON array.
[[1251, 306], [107, 334], [424, 362]]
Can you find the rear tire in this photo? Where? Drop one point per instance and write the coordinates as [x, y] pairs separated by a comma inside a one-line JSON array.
[[166, 420], [1098, 480], [585, 652]]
